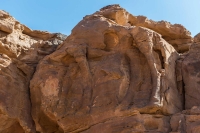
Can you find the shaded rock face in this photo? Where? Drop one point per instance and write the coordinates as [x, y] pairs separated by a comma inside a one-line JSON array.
[[190, 72], [115, 73]]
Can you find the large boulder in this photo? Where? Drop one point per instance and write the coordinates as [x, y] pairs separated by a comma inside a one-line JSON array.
[[116, 72], [104, 70]]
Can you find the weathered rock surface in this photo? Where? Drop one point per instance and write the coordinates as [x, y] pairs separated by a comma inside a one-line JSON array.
[[175, 34], [115, 73], [197, 38], [191, 78], [186, 122], [103, 70], [19, 55], [137, 123]]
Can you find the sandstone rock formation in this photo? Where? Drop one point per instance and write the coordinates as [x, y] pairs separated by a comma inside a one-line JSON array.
[[190, 74], [186, 121], [175, 34], [197, 38], [20, 51], [115, 73]]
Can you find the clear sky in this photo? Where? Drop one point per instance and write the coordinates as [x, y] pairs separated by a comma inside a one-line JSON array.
[[63, 15]]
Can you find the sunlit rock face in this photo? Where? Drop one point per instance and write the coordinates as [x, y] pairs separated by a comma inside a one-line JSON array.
[[107, 68], [116, 72], [20, 51]]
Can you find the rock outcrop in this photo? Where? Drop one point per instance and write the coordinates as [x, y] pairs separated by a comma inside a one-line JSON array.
[[20, 51], [191, 77], [175, 34], [197, 38], [115, 73], [186, 121]]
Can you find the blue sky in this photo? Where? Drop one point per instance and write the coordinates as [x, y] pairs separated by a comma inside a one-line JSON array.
[[63, 15]]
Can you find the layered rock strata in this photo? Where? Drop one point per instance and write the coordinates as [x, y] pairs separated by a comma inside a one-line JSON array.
[[115, 73]]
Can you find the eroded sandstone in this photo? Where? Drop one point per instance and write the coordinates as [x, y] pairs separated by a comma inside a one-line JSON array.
[[190, 70], [197, 38], [175, 34], [19, 55], [116, 72], [105, 69]]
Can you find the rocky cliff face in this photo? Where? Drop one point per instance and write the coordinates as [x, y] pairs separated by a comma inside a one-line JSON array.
[[115, 73], [21, 49]]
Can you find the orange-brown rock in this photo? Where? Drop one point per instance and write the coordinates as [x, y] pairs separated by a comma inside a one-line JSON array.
[[104, 70], [137, 123], [176, 34], [19, 55], [116, 72]]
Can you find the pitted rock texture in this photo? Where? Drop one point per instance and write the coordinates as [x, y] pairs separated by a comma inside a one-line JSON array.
[[116, 72]]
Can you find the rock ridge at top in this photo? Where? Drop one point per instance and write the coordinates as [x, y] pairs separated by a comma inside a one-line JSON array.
[[176, 34], [114, 73]]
